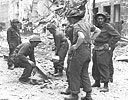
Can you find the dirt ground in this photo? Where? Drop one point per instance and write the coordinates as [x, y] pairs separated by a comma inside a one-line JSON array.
[[12, 89]]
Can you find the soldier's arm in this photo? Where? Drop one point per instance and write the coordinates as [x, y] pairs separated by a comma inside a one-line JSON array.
[[9, 33], [32, 57], [114, 33], [23, 50], [20, 39], [80, 39], [58, 43], [96, 31]]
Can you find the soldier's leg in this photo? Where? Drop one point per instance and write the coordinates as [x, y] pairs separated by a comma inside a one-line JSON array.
[[95, 71], [74, 80], [55, 65], [111, 68], [27, 71], [62, 54], [9, 62], [85, 80], [103, 68]]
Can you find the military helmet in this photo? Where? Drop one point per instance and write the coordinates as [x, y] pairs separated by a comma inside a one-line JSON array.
[[107, 15], [35, 38], [75, 13], [51, 26], [101, 14], [15, 21]]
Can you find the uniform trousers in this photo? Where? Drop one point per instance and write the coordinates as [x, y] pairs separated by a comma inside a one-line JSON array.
[[100, 68], [78, 70]]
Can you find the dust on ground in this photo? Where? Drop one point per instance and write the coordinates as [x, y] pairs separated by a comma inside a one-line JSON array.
[[12, 89]]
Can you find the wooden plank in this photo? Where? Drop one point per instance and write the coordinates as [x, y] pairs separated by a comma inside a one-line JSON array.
[[122, 58], [42, 72]]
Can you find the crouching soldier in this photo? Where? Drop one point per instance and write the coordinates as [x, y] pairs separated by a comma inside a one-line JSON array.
[[20, 59], [61, 45]]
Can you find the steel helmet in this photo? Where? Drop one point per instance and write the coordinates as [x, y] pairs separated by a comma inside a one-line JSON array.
[[15, 21], [107, 16], [74, 13], [35, 38], [51, 26], [101, 14]]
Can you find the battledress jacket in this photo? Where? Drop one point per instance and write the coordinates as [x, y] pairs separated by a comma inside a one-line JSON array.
[[13, 38], [59, 38], [85, 28], [108, 35], [24, 50]]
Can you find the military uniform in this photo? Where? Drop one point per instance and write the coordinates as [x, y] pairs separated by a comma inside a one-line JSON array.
[[79, 54], [78, 69], [111, 68], [21, 60], [13, 39], [101, 54], [20, 54], [61, 48], [77, 72]]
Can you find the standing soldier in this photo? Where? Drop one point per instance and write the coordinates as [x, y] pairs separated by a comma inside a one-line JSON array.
[[80, 52], [111, 68], [13, 38], [20, 59], [61, 48], [101, 53]]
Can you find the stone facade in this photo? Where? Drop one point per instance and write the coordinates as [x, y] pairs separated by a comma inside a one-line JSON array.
[[118, 10], [4, 12], [124, 16], [33, 9]]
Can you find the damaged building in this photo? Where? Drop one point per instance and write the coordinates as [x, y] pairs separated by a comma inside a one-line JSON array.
[[118, 10]]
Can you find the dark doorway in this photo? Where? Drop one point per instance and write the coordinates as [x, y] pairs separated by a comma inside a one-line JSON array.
[[107, 9]]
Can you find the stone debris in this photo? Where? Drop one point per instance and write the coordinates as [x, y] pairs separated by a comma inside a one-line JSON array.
[[12, 89]]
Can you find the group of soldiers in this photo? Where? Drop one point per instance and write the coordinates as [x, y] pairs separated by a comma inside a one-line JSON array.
[[81, 35]]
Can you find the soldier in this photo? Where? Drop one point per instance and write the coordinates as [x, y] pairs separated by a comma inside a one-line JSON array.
[[80, 52], [61, 48], [111, 68], [13, 38], [101, 52], [20, 57]]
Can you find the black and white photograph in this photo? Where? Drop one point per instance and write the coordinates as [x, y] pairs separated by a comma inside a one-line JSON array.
[[63, 50]]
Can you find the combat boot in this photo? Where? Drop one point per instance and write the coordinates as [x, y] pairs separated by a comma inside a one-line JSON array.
[[56, 70], [88, 96], [59, 74], [111, 78], [105, 88], [72, 97], [66, 92], [10, 66], [96, 84]]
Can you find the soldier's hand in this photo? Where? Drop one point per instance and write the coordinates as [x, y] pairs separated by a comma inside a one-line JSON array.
[[73, 48], [34, 71], [31, 62], [106, 46]]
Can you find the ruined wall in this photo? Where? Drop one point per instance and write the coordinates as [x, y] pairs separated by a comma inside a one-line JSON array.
[[124, 17], [4, 11]]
